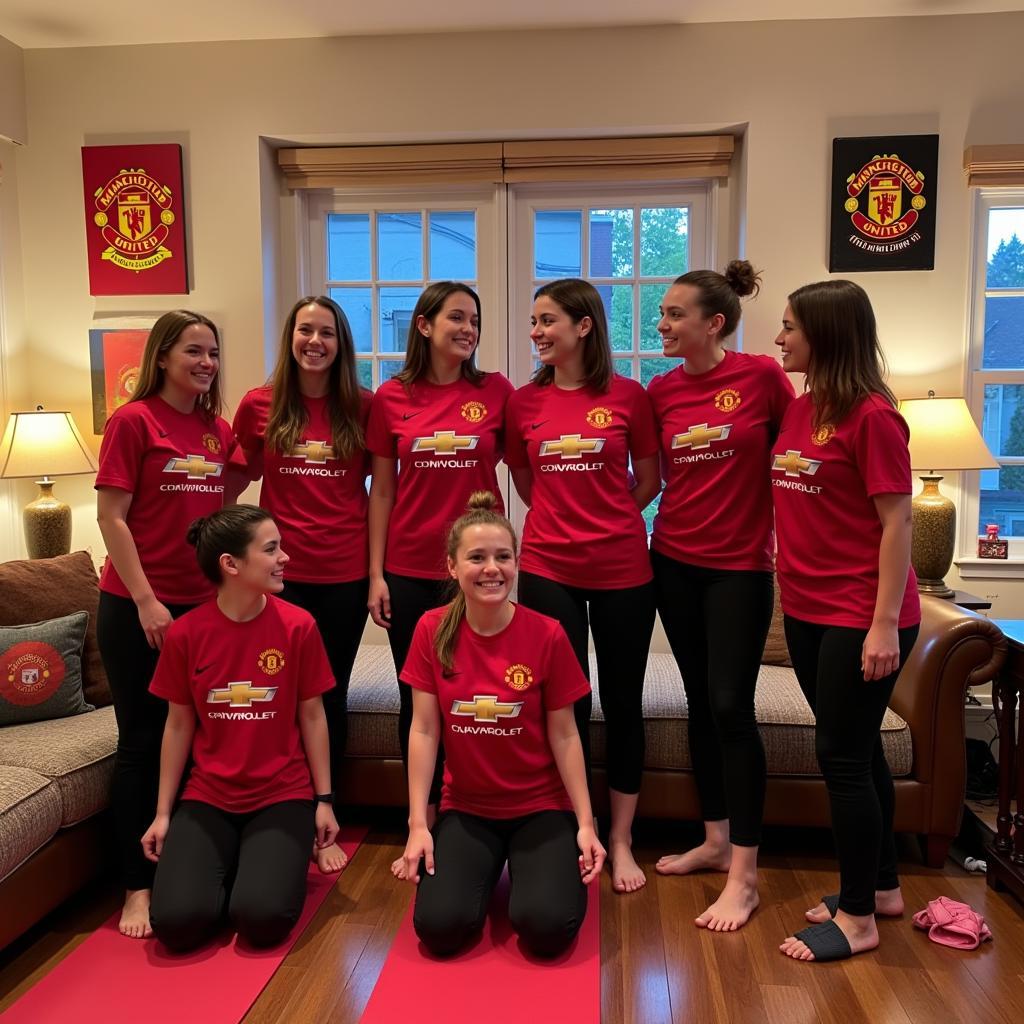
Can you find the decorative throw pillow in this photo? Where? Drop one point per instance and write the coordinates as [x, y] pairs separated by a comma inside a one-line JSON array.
[[41, 670]]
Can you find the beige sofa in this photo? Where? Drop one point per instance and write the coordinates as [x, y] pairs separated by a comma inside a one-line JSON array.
[[54, 776]]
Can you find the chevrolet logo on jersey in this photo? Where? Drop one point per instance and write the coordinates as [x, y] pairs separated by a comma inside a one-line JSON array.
[[444, 442], [793, 464], [241, 695], [701, 436], [486, 709], [572, 446], [313, 451], [195, 466]]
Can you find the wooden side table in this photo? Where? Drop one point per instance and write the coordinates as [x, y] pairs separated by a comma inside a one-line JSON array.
[[1006, 853], [970, 601]]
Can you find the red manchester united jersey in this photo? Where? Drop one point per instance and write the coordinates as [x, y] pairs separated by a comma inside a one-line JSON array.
[[245, 681], [823, 483], [173, 465], [583, 528], [317, 500], [498, 762], [447, 440], [716, 431]]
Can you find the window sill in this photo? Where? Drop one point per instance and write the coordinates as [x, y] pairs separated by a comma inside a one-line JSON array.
[[990, 568]]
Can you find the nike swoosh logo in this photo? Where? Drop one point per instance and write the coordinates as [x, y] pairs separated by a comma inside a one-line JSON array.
[[203, 668], [534, 426], [409, 415], [163, 433]]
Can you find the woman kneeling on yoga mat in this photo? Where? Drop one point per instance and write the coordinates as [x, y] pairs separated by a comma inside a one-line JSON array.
[[501, 680], [243, 675]]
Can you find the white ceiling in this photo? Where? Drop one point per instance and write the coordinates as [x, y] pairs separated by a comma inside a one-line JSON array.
[[54, 23]]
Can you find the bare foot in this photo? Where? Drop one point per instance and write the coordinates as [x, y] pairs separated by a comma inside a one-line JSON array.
[[330, 858], [732, 909], [706, 857], [398, 869], [861, 933], [627, 875], [135, 915], [888, 903]]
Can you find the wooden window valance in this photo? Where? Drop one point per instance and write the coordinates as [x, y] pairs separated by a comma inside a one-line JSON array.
[[673, 158], [994, 165]]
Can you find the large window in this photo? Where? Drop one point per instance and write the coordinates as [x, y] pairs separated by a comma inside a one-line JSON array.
[[997, 393]]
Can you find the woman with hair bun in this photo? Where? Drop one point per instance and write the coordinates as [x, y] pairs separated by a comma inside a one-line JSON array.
[[167, 456], [304, 433], [712, 551], [435, 434], [849, 594], [515, 786], [574, 432], [243, 675]]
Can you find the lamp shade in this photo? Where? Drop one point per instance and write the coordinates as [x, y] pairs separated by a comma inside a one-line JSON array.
[[943, 435], [43, 444]]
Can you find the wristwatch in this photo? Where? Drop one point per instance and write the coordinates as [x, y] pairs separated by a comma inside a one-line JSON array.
[[323, 798]]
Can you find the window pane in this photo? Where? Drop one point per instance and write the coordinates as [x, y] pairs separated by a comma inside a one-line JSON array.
[[357, 304], [1002, 490], [452, 245], [650, 301], [364, 370], [1004, 332], [650, 368], [558, 243], [664, 237], [389, 367], [396, 306], [1005, 249], [650, 512], [623, 366], [611, 243], [399, 246], [348, 246], [618, 308]]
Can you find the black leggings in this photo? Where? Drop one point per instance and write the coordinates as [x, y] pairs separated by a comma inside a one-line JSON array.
[[410, 598], [250, 868], [622, 622], [340, 613], [130, 662], [848, 715], [547, 899], [716, 621]]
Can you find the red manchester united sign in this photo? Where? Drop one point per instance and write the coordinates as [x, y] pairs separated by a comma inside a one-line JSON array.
[[135, 220]]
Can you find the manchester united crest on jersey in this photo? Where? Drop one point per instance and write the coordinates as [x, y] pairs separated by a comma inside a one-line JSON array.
[[600, 417], [474, 412], [270, 661], [211, 442], [823, 434], [727, 400], [519, 676]]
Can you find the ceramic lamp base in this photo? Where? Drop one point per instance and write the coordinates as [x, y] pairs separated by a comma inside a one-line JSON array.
[[47, 524], [934, 538]]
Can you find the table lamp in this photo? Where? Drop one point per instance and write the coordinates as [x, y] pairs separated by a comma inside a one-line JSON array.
[[44, 444], [943, 434]]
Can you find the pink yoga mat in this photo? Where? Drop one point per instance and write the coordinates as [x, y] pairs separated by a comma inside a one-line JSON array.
[[110, 978], [493, 981]]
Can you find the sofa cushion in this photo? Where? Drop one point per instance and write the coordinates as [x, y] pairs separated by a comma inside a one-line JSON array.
[[29, 815], [77, 754], [785, 720], [776, 650], [41, 670], [45, 588]]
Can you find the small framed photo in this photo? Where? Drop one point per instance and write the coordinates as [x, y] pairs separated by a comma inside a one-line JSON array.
[[115, 353], [992, 545]]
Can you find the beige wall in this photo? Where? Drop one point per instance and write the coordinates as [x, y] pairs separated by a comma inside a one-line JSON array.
[[13, 123], [794, 85]]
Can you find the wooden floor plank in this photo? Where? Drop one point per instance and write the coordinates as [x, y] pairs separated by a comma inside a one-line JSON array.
[[788, 1004]]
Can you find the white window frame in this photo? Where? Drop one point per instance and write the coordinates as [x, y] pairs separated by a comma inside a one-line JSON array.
[[489, 206], [524, 200], [969, 565]]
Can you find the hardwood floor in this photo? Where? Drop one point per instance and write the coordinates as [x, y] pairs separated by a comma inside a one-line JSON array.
[[657, 967]]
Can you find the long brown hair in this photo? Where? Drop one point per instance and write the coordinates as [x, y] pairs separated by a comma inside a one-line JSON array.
[[288, 417], [721, 293], [846, 360], [417, 345], [579, 298], [481, 510], [162, 338]]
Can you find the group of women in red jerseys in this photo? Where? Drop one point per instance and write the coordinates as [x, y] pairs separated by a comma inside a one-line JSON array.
[[501, 686]]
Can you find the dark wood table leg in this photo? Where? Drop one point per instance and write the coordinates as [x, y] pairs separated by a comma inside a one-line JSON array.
[[1004, 696], [1018, 818]]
